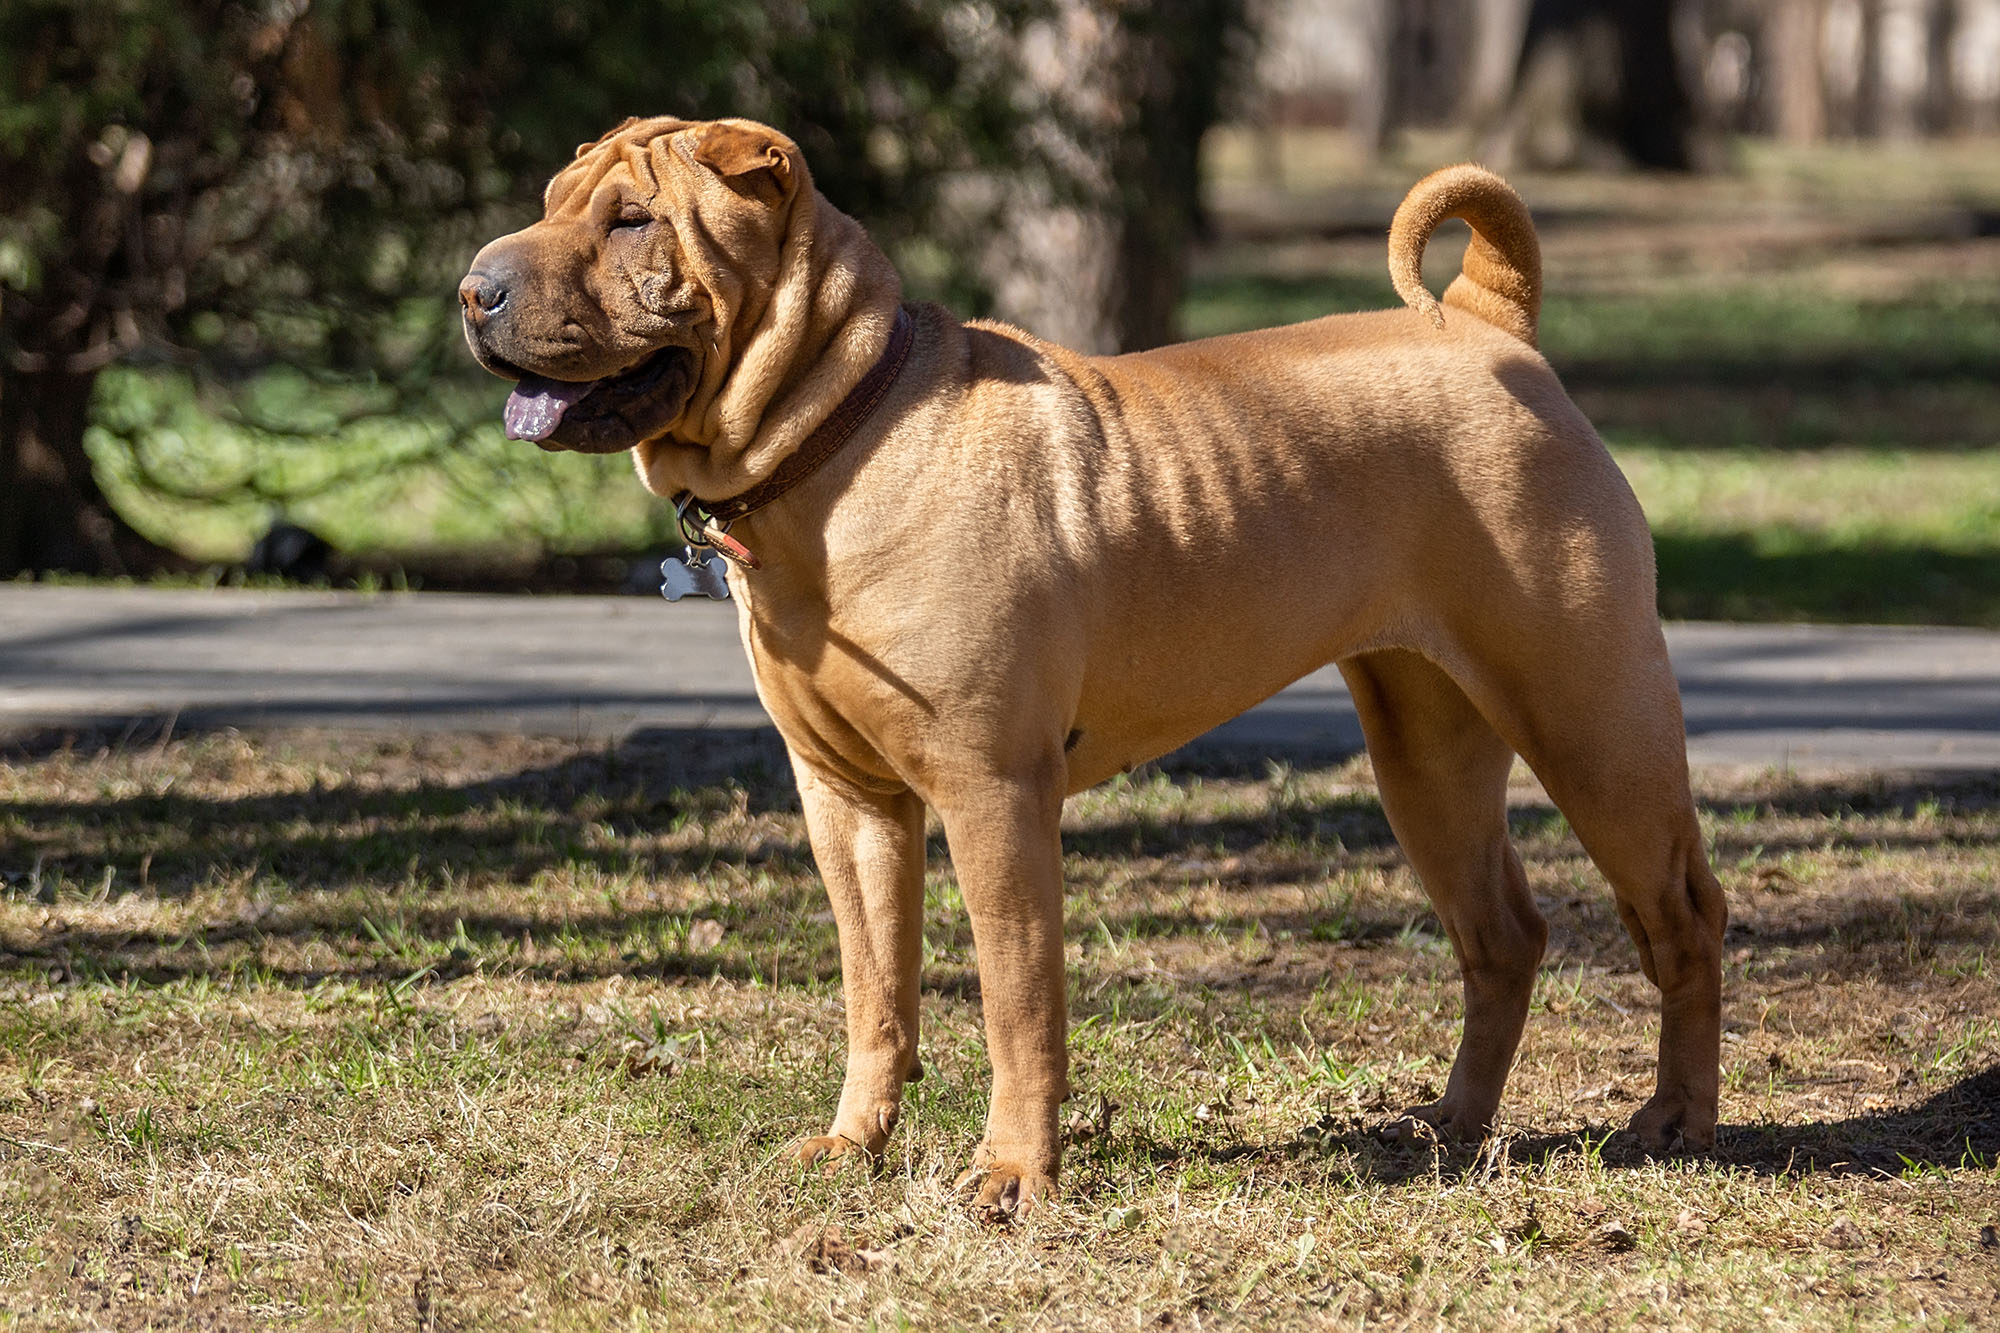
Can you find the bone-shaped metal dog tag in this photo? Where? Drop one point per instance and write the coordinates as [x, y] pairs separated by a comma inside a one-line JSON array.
[[692, 574]]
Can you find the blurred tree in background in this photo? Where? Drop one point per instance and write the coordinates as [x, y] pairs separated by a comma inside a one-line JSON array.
[[1094, 247], [226, 186], [1616, 74]]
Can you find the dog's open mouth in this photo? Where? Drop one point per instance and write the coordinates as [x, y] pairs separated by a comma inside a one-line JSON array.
[[602, 416]]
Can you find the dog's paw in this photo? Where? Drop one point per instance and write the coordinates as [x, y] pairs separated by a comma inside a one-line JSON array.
[[1003, 1191], [1437, 1122], [1674, 1123], [831, 1149], [830, 1152], [1411, 1129]]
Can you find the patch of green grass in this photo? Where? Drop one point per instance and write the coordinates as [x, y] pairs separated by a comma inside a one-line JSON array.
[[1873, 536], [335, 1033], [1789, 574], [442, 479]]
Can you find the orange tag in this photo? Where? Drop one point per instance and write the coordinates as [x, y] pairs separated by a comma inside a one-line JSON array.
[[713, 534]]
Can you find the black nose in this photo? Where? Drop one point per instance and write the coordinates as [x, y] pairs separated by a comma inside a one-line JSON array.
[[482, 295]]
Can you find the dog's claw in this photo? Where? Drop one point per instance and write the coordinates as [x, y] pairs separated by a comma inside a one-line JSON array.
[[831, 1149], [1004, 1193], [829, 1152], [1411, 1129]]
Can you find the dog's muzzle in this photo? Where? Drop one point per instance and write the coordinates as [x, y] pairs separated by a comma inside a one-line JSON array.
[[600, 416]]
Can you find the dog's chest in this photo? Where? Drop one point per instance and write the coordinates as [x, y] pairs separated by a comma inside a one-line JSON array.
[[836, 706]]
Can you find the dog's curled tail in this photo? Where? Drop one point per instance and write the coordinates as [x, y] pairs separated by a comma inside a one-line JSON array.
[[1502, 278]]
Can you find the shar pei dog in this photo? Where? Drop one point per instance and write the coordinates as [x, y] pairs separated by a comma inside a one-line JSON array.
[[976, 572]]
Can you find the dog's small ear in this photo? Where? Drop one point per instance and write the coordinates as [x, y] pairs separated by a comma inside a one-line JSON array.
[[751, 158]]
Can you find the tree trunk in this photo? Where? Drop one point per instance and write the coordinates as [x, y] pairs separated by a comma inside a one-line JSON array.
[[1655, 117], [1498, 27], [1903, 57], [1175, 67], [1941, 99], [1868, 82], [1098, 260], [1596, 77], [53, 515], [1430, 56], [1371, 113], [1795, 32]]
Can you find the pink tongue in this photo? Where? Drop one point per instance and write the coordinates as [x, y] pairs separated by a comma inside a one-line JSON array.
[[536, 406]]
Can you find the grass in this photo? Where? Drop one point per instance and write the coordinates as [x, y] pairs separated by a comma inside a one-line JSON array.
[[440, 481], [327, 1032]]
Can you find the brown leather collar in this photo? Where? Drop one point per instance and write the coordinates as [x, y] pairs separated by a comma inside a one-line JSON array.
[[835, 431]]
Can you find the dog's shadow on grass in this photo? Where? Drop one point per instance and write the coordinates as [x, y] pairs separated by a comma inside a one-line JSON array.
[[1955, 1128], [341, 836], [598, 809], [350, 835]]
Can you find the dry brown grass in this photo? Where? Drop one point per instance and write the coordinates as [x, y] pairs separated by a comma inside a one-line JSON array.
[[326, 1033]]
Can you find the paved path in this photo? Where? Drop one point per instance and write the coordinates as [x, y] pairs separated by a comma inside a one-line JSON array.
[[600, 668]]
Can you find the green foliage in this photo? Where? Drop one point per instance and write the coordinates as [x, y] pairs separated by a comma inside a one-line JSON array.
[[221, 187]]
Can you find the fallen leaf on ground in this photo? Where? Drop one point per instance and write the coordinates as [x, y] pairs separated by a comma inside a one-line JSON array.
[[1690, 1223], [1091, 1122], [1615, 1236], [825, 1249], [646, 1058]]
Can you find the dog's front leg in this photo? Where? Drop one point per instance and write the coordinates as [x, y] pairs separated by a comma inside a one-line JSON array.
[[1006, 846], [870, 849]]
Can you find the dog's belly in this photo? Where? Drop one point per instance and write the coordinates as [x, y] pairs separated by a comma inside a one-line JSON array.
[[1106, 744], [1196, 634], [1155, 692]]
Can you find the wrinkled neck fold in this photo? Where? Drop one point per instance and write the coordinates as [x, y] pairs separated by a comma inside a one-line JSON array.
[[785, 353]]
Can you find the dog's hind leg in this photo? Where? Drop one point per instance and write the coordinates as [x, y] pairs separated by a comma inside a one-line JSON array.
[[1605, 736], [870, 850], [1442, 771]]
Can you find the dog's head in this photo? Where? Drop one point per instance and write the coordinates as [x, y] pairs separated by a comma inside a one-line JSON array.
[[618, 311]]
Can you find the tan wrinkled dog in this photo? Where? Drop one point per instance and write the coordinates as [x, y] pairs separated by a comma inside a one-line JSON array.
[[1029, 570]]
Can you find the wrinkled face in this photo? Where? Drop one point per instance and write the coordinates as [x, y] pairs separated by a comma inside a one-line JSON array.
[[599, 310]]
